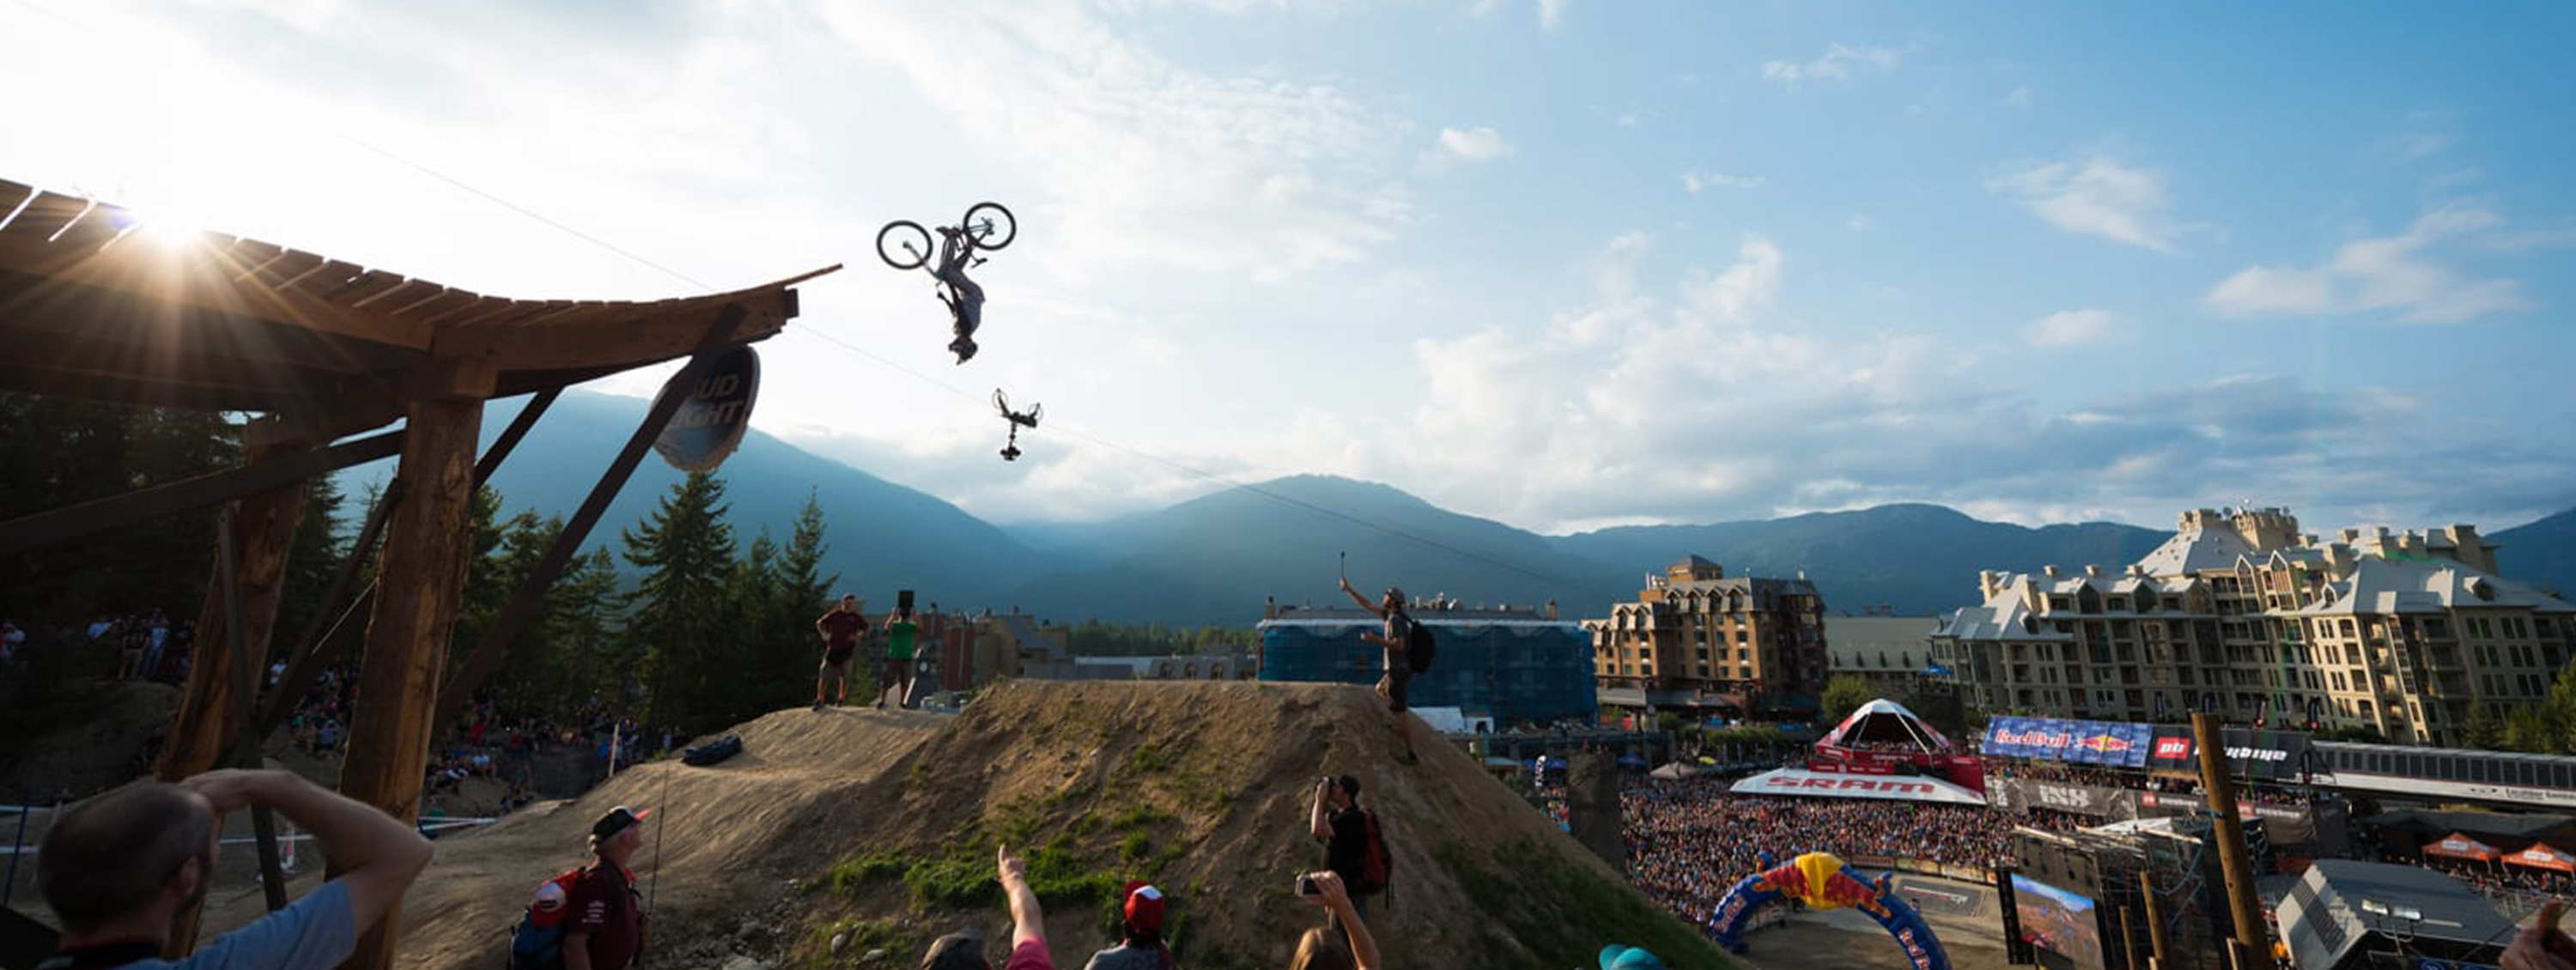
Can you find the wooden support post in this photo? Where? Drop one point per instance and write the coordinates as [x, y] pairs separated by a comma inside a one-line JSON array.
[[209, 721], [2159, 946], [233, 630], [2129, 940], [524, 604], [2233, 861], [423, 566]]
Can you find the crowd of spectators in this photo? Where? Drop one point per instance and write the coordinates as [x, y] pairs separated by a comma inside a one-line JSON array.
[[2102, 777], [1690, 840]]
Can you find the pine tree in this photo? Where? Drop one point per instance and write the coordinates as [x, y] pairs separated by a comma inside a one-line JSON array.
[[686, 552]]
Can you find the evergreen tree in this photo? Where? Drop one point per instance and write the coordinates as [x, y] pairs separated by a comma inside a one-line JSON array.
[[677, 613], [2484, 730], [312, 562]]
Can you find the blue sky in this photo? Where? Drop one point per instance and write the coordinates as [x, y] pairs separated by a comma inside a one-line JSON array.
[[1564, 264]]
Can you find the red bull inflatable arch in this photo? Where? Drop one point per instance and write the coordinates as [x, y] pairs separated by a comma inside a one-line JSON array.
[[1822, 881]]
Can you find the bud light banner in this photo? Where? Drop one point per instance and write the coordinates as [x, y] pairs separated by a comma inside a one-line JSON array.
[[2120, 743]]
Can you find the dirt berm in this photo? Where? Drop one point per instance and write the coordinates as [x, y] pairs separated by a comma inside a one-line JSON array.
[[879, 827]]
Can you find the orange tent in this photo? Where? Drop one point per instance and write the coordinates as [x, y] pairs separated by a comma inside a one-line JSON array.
[[2542, 855], [2458, 846]]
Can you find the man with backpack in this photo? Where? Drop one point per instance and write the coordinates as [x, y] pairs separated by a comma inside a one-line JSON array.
[[1401, 638], [591, 918], [1354, 844]]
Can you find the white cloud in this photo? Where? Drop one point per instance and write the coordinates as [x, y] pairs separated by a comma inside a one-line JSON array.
[[1840, 61], [2073, 328], [1147, 164], [1860, 222], [2420, 144], [1478, 144], [2098, 196], [1697, 181], [1551, 13], [1735, 294], [2018, 97], [2382, 273]]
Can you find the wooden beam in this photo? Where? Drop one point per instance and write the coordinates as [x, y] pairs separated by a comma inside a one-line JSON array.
[[531, 596], [426, 548], [289, 466], [234, 626]]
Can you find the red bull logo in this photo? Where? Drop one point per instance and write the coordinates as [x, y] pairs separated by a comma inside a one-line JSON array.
[[1788, 880], [1841, 888], [2105, 743]]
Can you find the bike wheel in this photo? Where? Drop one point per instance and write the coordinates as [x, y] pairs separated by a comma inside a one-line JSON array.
[[990, 225], [903, 244]]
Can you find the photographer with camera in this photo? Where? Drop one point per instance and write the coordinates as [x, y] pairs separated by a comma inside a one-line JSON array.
[[1354, 848], [1320, 948]]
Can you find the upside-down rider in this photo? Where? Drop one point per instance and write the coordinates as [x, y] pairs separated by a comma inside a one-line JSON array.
[[966, 307], [1399, 668]]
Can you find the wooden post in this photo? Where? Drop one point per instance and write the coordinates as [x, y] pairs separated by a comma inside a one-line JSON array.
[[2159, 947], [2129, 940], [250, 573], [264, 530], [2233, 861], [426, 548]]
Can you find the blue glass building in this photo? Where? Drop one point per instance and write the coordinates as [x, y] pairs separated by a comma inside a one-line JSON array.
[[1515, 666]]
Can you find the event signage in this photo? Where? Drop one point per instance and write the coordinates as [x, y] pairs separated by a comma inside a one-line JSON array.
[[710, 422], [2119, 743], [1794, 781], [2022, 795]]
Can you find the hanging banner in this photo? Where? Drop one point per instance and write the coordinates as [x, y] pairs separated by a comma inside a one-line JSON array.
[[2117, 743], [2263, 755], [2022, 795], [710, 424]]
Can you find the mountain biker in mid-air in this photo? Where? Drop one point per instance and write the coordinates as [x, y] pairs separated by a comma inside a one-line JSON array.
[[966, 308]]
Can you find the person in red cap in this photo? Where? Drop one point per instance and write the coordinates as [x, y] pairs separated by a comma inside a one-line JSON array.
[[607, 927], [1142, 948]]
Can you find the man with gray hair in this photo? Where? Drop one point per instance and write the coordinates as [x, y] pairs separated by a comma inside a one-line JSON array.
[[121, 867]]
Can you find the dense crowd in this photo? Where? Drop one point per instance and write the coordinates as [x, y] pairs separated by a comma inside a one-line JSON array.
[[1690, 840]]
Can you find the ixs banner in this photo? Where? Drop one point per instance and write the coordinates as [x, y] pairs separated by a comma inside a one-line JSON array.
[[2119, 743], [2021, 795]]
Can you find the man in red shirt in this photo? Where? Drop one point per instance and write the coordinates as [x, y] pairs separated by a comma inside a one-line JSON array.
[[607, 927], [842, 629]]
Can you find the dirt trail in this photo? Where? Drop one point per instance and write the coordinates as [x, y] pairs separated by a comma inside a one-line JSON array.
[[1212, 780]]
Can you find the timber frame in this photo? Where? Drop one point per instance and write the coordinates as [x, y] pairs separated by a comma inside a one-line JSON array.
[[322, 350]]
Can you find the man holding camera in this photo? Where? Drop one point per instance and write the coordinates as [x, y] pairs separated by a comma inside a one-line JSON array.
[[1342, 825]]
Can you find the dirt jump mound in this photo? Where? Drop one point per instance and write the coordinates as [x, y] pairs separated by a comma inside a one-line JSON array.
[[853, 837]]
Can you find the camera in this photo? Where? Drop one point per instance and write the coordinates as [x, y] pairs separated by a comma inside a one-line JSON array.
[[1306, 886]]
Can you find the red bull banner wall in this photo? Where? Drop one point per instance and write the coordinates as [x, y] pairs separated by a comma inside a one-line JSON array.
[[1821, 881], [2121, 743]]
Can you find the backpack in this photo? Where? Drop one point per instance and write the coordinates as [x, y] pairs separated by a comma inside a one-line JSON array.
[[1419, 648], [537, 943], [713, 751], [1375, 864]]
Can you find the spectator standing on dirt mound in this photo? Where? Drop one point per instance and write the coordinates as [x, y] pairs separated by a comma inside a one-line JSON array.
[[903, 636], [1350, 836], [1399, 670], [118, 869], [1141, 924], [964, 949], [607, 928], [842, 628], [1322, 949]]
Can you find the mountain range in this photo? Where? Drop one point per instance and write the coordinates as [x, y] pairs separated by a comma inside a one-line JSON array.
[[1217, 558]]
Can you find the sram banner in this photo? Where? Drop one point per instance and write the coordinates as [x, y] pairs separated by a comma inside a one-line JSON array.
[[1794, 781]]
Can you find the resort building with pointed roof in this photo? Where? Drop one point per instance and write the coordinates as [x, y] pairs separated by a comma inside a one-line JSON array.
[[2242, 614]]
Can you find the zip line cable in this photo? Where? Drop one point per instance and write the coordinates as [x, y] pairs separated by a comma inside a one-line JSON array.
[[915, 374]]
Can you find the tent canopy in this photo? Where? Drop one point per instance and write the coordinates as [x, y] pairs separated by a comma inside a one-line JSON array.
[[1883, 721], [2458, 846], [2542, 855], [1672, 771]]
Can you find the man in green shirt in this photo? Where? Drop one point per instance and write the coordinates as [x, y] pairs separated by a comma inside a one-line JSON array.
[[901, 634]]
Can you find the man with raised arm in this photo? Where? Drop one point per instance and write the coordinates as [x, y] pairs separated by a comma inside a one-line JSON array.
[[119, 869], [1399, 670]]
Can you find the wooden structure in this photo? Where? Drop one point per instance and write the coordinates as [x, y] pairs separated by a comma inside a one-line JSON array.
[[321, 350]]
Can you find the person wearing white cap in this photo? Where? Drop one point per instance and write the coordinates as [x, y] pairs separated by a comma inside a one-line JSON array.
[[607, 918]]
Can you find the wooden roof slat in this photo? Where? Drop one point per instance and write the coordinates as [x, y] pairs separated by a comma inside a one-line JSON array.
[[398, 293], [431, 305]]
